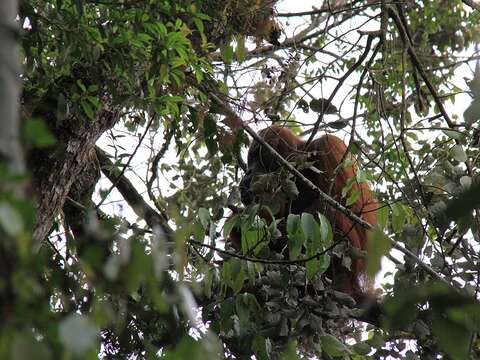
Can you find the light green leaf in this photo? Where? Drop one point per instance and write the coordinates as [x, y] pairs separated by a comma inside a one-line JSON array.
[[240, 50], [37, 133], [95, 102], [453, 134], [229, 225], [199, 24], [10, 219], [254, 236], [382, 215], [226, 51], [325, 230], [204, 216], [362, 348], [261, 347], [398, 217], [458, 153], [361, 176], [311, 229], [81, 86], [354, 196], [378, 246], [296, 237], [332, 346], [233, 274], [87, 109]]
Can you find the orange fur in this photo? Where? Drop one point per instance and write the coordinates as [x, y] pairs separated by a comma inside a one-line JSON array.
[[326, 153]]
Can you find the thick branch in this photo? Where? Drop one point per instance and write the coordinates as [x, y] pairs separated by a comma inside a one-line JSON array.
[[131, 195], [472, 4], [416, 63]]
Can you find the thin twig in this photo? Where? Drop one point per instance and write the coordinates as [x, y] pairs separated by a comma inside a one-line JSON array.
[[260, 260], [114, 182], [340, 83]]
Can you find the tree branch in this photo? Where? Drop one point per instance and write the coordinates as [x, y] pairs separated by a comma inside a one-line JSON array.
[[235, 123], [131, 195], [472, 4]]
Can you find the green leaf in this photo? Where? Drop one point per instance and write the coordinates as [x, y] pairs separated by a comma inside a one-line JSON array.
[[348, 186], [163, 73], [198, 231], [452, 337], [362, 348], [458, 153], [472, 113], [325, 230], [226, 51], [87, 109], [314, 244], [453, 134], [81, 86], [10, 219], [94, 101], [188, 348], [199, 24], [255, 235], [311, 229], [261, 347], [378, 246], [229, 225], [199, 75], [312, 267], [290, 352], [243, 313], [144, 37], [37, 133], [296, 237], [240, 50], [464, 204], [233, 274], [354, 196], [382, 216], [204, 216], [176, 62], [361, 176], [332, 346], [162, 29], [398, 217]]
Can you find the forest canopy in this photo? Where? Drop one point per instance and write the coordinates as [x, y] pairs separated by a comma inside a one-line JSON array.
[[125, 131]]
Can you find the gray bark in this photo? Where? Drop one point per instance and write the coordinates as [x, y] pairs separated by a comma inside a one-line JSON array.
[[10, 148], [63, 168]]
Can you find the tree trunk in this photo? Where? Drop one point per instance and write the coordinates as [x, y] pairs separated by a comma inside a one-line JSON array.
[[54, 177], [10, 149]]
